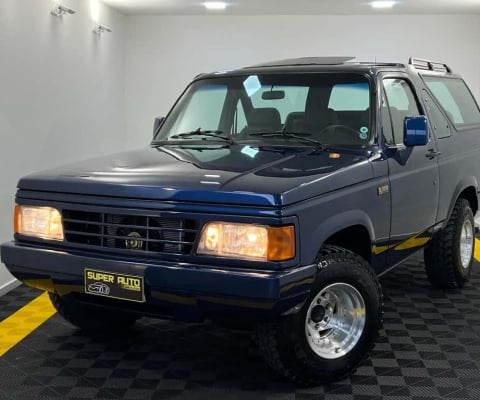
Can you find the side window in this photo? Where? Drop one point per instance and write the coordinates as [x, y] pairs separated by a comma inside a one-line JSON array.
[[401, 103], [455, 98], [440, 125]]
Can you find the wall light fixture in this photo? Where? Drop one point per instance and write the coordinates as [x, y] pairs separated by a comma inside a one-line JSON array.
[[99, 29], [60, 10]]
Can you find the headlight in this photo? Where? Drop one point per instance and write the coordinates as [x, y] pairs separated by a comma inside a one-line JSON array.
[[41, 222], [248, 241]]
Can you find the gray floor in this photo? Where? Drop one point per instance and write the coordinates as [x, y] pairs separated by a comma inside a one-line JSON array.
[[429, 348]]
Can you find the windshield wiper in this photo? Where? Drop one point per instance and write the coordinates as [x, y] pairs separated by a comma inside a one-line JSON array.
[[199, 132], [294, 135]]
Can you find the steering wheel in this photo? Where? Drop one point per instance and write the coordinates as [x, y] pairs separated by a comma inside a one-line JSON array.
[[343, 136]]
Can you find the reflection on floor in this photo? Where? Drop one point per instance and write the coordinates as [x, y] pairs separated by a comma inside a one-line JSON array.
[[429, 349]]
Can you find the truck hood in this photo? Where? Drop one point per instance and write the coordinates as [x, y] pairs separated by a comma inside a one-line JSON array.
[[233, 174]]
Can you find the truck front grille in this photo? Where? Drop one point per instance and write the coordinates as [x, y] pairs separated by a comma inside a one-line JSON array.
[[130, 232]]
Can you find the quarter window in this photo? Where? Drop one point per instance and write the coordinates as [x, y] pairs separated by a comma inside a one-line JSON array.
[[440, 125]]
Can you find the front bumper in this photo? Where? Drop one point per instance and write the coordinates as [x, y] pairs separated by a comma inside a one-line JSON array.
[[172, 290]]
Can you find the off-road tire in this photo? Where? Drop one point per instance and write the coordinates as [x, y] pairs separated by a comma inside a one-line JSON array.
[[283, 343], [442, 255], [90, 319]]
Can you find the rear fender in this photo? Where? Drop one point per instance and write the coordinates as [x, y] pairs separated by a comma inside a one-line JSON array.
[[465, 183]]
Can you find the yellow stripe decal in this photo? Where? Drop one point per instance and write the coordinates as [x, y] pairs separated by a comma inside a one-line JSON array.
[[477, 249], [412, 243], [19, 325]]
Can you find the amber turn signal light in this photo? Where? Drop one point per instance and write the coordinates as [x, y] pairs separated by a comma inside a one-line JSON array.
[[16, 219], [281, 243]]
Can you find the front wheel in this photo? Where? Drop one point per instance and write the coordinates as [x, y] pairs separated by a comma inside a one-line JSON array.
[[334, 330]]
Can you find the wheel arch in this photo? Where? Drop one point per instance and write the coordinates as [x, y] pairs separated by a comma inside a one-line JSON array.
[[468, 190], [338, 230]]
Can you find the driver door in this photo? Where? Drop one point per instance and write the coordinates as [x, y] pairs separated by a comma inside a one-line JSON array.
[[413, 171]]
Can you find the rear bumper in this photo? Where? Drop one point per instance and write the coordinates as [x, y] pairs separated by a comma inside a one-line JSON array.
[[172, 290]]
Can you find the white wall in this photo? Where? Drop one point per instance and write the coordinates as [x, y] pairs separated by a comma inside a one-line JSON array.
[[165, 53], [66, 94], [61, 93]]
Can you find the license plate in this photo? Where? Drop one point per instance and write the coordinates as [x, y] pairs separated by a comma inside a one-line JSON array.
[[115, 286]]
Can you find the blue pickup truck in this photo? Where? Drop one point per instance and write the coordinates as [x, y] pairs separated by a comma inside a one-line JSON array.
[[271, 196]]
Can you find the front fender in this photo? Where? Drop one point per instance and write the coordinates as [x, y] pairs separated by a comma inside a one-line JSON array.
[[337, 223]]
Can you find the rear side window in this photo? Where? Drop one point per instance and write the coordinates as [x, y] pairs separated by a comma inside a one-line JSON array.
[[455, 98]]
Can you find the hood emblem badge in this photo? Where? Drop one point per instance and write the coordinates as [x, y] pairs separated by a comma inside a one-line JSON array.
[[135, 242]]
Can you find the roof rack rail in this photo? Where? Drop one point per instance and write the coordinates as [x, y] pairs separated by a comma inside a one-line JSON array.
[[428, 65]]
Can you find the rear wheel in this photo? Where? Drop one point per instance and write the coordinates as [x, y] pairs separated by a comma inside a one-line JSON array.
[[449, 255], [336, 327], [90, 319]]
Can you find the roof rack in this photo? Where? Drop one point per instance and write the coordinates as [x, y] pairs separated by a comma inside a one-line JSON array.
[[428, 65], [305, 61]]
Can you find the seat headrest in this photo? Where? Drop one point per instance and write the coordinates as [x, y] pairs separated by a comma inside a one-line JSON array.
[[266, 118], [294, 121]]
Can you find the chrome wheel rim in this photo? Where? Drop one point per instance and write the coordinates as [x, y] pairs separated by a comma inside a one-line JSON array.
[[335, 320], [466, 243]]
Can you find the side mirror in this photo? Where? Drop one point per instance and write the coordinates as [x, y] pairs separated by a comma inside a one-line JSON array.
[[416, 131], [157, 124]]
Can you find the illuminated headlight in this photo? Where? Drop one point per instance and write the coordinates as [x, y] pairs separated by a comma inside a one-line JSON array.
[[248, 241], [41, 222]]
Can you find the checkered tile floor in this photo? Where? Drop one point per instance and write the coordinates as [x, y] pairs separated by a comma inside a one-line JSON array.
[[429, 349]]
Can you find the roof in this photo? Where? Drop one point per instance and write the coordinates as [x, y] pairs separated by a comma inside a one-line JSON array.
[[307, 65], [332, 64]]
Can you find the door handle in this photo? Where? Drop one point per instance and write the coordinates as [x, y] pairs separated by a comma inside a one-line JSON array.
[[432, 154]]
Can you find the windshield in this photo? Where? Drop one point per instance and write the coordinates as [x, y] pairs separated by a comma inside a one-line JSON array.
[[306, 108]]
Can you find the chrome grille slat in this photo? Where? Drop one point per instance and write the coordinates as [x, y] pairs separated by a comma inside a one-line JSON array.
[[148, 233], [77, 221]]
